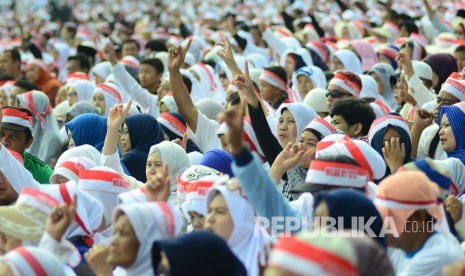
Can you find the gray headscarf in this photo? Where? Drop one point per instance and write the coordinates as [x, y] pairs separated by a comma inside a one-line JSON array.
[[82, 107], [384, 72]]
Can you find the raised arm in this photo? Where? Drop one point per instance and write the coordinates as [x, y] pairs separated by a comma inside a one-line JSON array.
[[115, 120], [182, 98]]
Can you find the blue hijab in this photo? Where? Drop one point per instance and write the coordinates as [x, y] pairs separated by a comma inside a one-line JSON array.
[[89, 129], [191, 146], [456, 115], [219, 160], [378, 144], [144, 132], [344, 203]]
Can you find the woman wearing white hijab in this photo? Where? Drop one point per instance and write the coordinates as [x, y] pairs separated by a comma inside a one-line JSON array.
[[61, 55], [172, 154], [307, 78], [100, 72], [231, 216], [81, 90], [86, 151], [46, 133], [346, 60], [142, 225]]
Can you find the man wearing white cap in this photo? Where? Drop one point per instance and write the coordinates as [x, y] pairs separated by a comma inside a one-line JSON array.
[[344, 85], [425, 131], [16, 134]]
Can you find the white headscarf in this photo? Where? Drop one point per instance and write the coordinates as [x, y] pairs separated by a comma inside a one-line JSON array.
[[210, 108], [82, 151], [314, 73], [112, 94], [89, 210], [15, 172], [244, 241], [457, 174], [101, 69], [32, 261], [84, 89], [302, 113], [151, 221], [176, 157], [302, 52], [350, 61], [63, 55], [46, 133]]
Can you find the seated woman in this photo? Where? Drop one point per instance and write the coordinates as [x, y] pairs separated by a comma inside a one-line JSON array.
[[452, 133], [37, 73], [81, 90]]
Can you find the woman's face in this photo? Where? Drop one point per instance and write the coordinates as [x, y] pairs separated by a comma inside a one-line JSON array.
[[304, 85], [8, 243], [197, 220], [336, 64], [71, 143], [219, 220], [98, 80], [309, 140], [287, 128], [98, 100], [154, 165], [446, 135], [163, 88], [400, 91], [224, 142], [289, 66], [61, 94], [72, 96], [33, 74], [379, 82], [390, 133], [125, 140], [124, 245]]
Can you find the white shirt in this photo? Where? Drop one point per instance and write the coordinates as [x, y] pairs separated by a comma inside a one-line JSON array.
[[438, 252], [205, 137], [146, 99], [418, 90], [425, 141]]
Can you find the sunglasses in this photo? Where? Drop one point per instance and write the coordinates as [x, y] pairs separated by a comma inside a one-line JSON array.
[[336, 94]]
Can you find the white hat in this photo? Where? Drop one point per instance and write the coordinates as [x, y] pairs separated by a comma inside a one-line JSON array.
[[380, 108], [385, 121], [326, 142], [316, 99], [196, 195], [70, 168], [389, 30], [422, 69], [361, 152], [190, 175], [323, 127], [369, 88], [346, 83], [455, 87]]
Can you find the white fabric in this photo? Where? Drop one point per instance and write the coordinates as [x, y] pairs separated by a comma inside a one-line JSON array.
[[101, 69], [84, 89], [112, 94], [425, 141], [457, 173], [196, 196], [195, 157], [422, 69], [350, 61], [20, 265], [303, 115], [15, 172], [89, 209], [369, 88], [302, 52], [69, 168], [455, 87], [151, 222], [244, 242], [384, 122], [418, 90], [437, 252], [63, 55], [316, 99], [47, 143], [210, 108], [64, 250], [205, 136], [113, 161], [176, 157]]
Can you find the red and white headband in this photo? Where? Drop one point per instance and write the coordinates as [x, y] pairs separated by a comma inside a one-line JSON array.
[[336, 174], [172, 123], [455, 87], [17, 117], [346, 83], [404, 205], [276, 81], [108, 90], [385, 121], [322, 126], [102, 181]]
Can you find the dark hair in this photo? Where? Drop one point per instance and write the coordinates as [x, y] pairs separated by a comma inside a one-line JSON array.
[[278, 71], [393, 14], [4, 78], [155, 63], [355, 111], [128, 41], [410, 26], [210, 62], [339, 159], [412, 44], [460, 48], [234, 99], [156, 46], [14, 55], [26, 85], [83, 60], [187, 82]]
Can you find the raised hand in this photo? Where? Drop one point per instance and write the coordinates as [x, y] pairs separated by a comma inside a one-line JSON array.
[[454, 207], [422, 118], [158, 186], [60, 219], [226, 54], [235, 122], [394, 154], [245, 87], [176, 56], [96, 257], [404, 59], [117, 115], [183, 142], [110, 53], [289, 156]]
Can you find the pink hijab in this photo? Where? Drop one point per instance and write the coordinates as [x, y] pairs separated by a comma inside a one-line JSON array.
[[366, 53]]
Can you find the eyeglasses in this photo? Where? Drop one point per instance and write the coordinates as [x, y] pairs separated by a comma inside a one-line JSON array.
[[336, 94]]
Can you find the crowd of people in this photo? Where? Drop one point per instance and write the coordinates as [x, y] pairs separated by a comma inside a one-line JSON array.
[[319, 137]]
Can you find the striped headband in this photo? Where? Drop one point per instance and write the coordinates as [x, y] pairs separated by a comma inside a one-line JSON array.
[[106, 89], [17, 117], [102, 181], [31, 260], [336, 174], [276, 81], [404, 205], [78, 76], [172, 123], [385, 121], [346, 83], [455, 87]]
